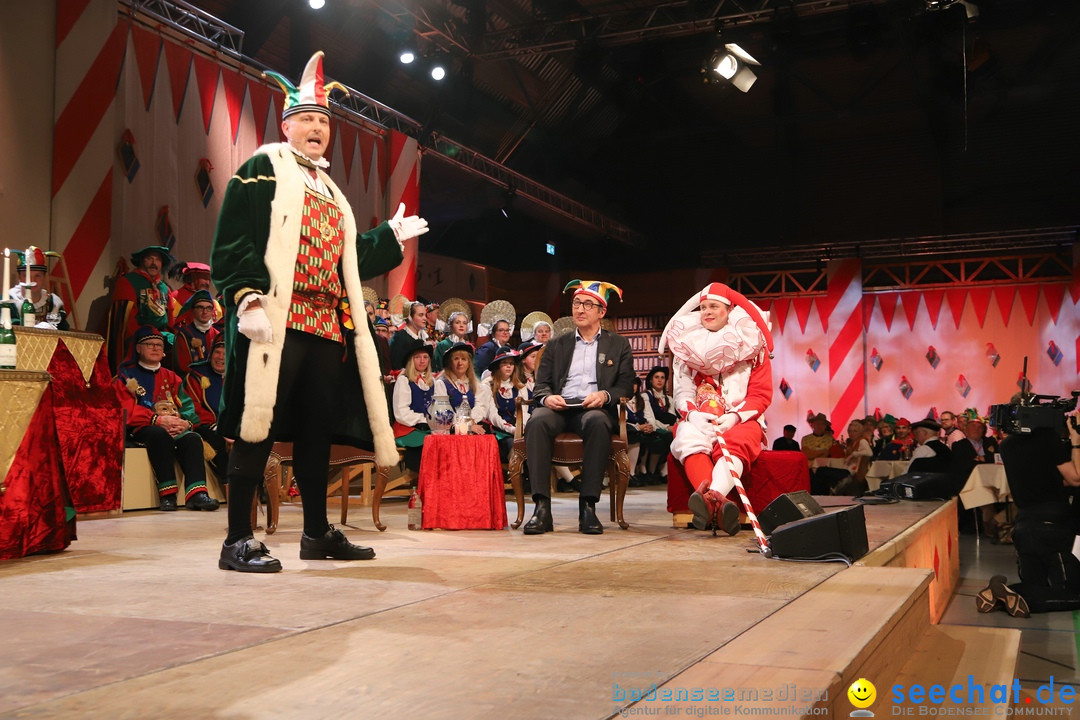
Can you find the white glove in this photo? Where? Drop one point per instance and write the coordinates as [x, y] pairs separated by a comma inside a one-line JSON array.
[[407, 227], [727, 421], [701, 421], [252, 321]]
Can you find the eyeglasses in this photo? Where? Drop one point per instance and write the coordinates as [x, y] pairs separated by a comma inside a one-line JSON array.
[[153, 345], [583, 304]]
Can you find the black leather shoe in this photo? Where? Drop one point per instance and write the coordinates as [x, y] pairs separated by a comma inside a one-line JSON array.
[[202, 501], [541, 521], [589, 524], [332, 546], [168, 503], [248, 555]]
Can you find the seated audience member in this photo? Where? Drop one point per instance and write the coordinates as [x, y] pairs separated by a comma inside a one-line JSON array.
[[48, 307], [541, 332], [506, 383], [530, 355], [817, 446], [458, 382], [884, 436], [160, 416], [457, 332], [413, 392], [636, 426], [580, 379], [139, 298], [196, 277], [901, 445], [787, 441], [659, 411], [500, 337], [976, 448], [950, 432], [930, 453], [203, 385], [436, 328], [415, 328], [194, 338], [857, 455]]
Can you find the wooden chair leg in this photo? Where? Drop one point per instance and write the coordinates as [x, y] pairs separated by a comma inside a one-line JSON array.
[[365, 490], [620, 481], [517, 460], [381, 478]]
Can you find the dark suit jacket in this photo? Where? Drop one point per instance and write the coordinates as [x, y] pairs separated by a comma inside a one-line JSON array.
[[614, 368]]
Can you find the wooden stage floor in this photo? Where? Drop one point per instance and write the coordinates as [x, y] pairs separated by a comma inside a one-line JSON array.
[[135, 620]]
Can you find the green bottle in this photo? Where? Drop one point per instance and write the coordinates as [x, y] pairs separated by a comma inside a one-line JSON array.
[[7, 340], [28, 313]]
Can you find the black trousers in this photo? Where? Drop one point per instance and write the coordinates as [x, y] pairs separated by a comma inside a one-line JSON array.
[[162, 448], [595, 428], [213, 438], [1049, 572], [306, 390]]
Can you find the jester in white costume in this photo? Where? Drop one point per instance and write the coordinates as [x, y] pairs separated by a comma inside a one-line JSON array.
[[722, 386]]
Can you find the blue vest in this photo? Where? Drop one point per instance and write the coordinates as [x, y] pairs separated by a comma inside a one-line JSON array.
[[455, 395], [506, 406], [420, 398]]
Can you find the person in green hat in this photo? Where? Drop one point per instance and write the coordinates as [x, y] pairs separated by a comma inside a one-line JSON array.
[[139, 298], [287, 257]]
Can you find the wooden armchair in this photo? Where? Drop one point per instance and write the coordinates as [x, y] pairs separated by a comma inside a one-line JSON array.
[[568, 449]]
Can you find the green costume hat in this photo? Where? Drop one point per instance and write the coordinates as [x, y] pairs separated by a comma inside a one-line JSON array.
[[197, 296], [312, 95], [166, 257]]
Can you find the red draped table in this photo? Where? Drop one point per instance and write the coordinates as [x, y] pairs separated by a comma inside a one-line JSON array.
[[61, 440], [461, 483], [774, 473]]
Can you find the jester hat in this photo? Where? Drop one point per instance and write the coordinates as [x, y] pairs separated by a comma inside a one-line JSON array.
[[598, 290], [312, 95], [37, 258]]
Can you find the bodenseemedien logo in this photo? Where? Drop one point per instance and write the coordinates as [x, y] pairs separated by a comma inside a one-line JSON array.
[[862, 695]]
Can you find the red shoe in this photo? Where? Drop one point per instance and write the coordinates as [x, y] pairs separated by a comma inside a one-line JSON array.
[[705, 504]]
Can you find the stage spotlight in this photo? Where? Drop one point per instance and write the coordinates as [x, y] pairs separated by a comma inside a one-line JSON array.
[[406, 57], [316, 4], [733, 64], [438, 72]]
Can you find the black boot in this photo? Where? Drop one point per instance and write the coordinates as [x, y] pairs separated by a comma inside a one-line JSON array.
[[334, 546], [202, 501], [541, 521], [248, 555], [588, 523]]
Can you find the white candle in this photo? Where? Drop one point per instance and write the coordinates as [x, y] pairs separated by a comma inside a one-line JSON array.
[[7, 274]]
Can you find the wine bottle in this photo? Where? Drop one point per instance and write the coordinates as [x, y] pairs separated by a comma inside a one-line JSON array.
[[29, 312], [7, 340]]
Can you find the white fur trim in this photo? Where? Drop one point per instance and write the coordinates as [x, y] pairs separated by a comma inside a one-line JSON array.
[[283, 245]]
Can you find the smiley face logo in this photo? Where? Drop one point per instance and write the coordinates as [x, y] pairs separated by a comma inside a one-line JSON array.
[[862, 693]]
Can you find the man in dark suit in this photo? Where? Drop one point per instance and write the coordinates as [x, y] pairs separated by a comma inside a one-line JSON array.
[[579, 382]]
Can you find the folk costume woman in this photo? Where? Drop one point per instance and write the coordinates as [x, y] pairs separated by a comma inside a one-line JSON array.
[[659, 412], [413, 391], [506, 385], [458, 326], [459, 383], [722, 386]]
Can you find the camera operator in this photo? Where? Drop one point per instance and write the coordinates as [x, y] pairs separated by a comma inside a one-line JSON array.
[[1040, 469]]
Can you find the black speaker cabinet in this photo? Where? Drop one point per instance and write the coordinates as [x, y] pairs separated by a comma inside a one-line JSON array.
[[843, 532], [788, 508], [922, 486]]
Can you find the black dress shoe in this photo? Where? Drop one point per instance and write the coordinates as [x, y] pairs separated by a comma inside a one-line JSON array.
[[248, 555], [541, 521], [589, 524], [202, 501], [332, 546], [168, 503]]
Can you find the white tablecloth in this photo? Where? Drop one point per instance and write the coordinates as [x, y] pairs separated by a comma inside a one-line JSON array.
[[985, 485], [885, 470]]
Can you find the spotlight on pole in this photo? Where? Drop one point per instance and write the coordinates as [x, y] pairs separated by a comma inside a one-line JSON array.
[[732, 63], [407, 57], [316, 4], [438, 72]]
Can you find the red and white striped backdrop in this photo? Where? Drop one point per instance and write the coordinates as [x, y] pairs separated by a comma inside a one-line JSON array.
[[182, 104], [844, 326]]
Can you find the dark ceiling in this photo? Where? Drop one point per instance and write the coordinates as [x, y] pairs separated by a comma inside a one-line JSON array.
[[870, 119]]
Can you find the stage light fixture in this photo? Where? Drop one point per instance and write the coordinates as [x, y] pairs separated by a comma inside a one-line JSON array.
[[438, 72], [407, 57], [732, 63], [316, 4]]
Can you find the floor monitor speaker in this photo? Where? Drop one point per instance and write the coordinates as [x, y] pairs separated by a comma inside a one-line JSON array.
[[788, 507], [843, 532]]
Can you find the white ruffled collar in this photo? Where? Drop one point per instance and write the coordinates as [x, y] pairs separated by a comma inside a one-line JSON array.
[[714, 352]]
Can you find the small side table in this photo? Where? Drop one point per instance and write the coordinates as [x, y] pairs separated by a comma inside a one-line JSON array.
[[461, 483]]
